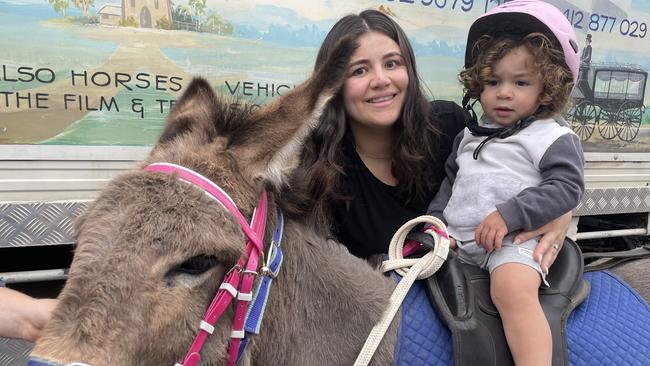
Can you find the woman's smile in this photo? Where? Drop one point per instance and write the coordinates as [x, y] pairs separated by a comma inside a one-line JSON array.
[[382, 100]]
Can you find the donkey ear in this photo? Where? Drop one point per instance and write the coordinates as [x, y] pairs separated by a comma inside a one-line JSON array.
[[193, 113], [273, 140]]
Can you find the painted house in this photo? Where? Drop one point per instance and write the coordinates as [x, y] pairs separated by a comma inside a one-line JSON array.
[[147, 12], [110, 15]]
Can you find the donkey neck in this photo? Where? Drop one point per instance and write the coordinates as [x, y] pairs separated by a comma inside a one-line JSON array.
[[322, 287]]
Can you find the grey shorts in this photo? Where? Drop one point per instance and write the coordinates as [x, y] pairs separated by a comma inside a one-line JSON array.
[[471, 253]]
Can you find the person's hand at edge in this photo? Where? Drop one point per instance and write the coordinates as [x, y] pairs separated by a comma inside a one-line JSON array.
[[22, 316], [553, 235]]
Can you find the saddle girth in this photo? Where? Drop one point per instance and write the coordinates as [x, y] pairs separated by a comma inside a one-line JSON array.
[[460, 293], [605, 260]]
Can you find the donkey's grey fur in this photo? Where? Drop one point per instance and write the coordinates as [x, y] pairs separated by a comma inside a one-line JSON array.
[[152, 250], [637, 274], [130, 299]]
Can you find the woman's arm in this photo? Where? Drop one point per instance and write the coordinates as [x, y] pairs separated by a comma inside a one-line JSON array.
[[22, 316], [551, 242]]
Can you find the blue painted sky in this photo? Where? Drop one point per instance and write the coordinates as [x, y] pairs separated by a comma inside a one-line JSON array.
[[641, 5]]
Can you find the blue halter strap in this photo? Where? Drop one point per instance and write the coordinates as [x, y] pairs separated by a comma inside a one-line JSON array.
[[261, 294]]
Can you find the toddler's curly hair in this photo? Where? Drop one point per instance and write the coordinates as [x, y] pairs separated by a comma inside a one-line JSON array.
[[548, 62]]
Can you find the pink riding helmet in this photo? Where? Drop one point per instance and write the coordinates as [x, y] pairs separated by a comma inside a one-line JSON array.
[[524, 17]]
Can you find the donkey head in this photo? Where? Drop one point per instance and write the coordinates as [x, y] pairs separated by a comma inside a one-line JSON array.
[[152, 250]]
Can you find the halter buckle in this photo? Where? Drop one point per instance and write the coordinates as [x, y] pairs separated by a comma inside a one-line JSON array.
[[266, 272]]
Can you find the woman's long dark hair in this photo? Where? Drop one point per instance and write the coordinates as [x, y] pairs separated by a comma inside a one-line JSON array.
[[314, 184]]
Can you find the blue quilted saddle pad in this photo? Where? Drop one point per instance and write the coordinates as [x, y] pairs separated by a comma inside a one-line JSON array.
[[611, 327]]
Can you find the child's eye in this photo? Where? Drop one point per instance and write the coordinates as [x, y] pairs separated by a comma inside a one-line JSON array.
[[522, 83], [491, 82]]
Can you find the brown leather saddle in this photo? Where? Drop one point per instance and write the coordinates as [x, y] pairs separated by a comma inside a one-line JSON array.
[[461, 295]]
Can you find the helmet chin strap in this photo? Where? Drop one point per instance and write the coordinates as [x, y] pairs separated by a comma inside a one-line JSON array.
[[491, 133]]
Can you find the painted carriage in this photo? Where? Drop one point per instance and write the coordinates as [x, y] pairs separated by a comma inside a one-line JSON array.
[[609, 98]]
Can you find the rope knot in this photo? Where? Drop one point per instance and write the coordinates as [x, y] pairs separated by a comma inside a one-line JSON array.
[[410, 269], [430, 262]]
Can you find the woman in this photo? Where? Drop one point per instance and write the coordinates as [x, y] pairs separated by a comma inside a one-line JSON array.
[[377, 157]]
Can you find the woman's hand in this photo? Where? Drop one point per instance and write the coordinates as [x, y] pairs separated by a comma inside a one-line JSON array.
[[22, 316], [553, 235]]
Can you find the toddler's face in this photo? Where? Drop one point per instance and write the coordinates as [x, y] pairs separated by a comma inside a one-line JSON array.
[[512, 92]]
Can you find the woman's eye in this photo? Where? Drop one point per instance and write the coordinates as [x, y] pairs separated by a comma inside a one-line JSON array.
[[358, 72], [395, 63]]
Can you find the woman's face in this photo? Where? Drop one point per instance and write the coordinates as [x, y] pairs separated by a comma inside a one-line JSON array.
[[375, 89]]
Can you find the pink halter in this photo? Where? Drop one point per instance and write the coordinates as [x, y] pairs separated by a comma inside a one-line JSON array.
[[246, 267]]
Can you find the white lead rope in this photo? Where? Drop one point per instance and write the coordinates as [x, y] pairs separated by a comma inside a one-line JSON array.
[[410, 270]]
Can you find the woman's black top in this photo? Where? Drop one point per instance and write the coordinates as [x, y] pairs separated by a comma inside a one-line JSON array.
[[367, 221]]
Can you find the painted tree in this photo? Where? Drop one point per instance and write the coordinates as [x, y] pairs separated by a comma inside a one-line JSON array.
[[199, 7], [60, 6], [83, 5], [182, 13], [215, 24]]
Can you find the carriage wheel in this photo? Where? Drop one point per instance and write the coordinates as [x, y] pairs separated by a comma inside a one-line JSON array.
[[607, 125], [582, 118], [629, 119]]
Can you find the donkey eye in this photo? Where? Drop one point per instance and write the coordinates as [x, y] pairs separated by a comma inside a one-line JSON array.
[[194, 266]]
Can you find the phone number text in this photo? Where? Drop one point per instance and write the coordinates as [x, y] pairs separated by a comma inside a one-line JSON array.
[[592, 22], [596, 22]]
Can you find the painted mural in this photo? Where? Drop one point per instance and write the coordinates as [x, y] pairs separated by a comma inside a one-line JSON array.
[[107, 72]]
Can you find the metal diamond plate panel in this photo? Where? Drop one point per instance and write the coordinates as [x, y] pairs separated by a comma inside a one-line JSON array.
[[614, 200], [23, 224], [14, 352]]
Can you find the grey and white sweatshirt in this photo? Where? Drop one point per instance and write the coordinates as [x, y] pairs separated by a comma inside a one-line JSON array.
[[531, 178]]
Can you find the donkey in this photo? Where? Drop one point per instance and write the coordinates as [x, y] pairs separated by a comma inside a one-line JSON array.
[[153, 249]]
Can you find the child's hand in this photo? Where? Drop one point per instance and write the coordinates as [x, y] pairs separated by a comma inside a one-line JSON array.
[[491, 231], [452, 243]]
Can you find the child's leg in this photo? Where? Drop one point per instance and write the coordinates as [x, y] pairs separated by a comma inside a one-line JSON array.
[[514, 289]]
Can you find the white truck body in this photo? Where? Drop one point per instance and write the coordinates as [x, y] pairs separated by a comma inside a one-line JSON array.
[[260, 48], [85, 88]]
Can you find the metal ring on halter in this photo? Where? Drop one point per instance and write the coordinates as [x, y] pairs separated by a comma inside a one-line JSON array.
[[266, 271]]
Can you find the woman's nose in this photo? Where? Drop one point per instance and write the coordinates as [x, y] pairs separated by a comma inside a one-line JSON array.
[[380, 79]]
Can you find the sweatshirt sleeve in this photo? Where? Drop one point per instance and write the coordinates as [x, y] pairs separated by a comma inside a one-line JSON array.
[[560, 191], [439, 202]]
